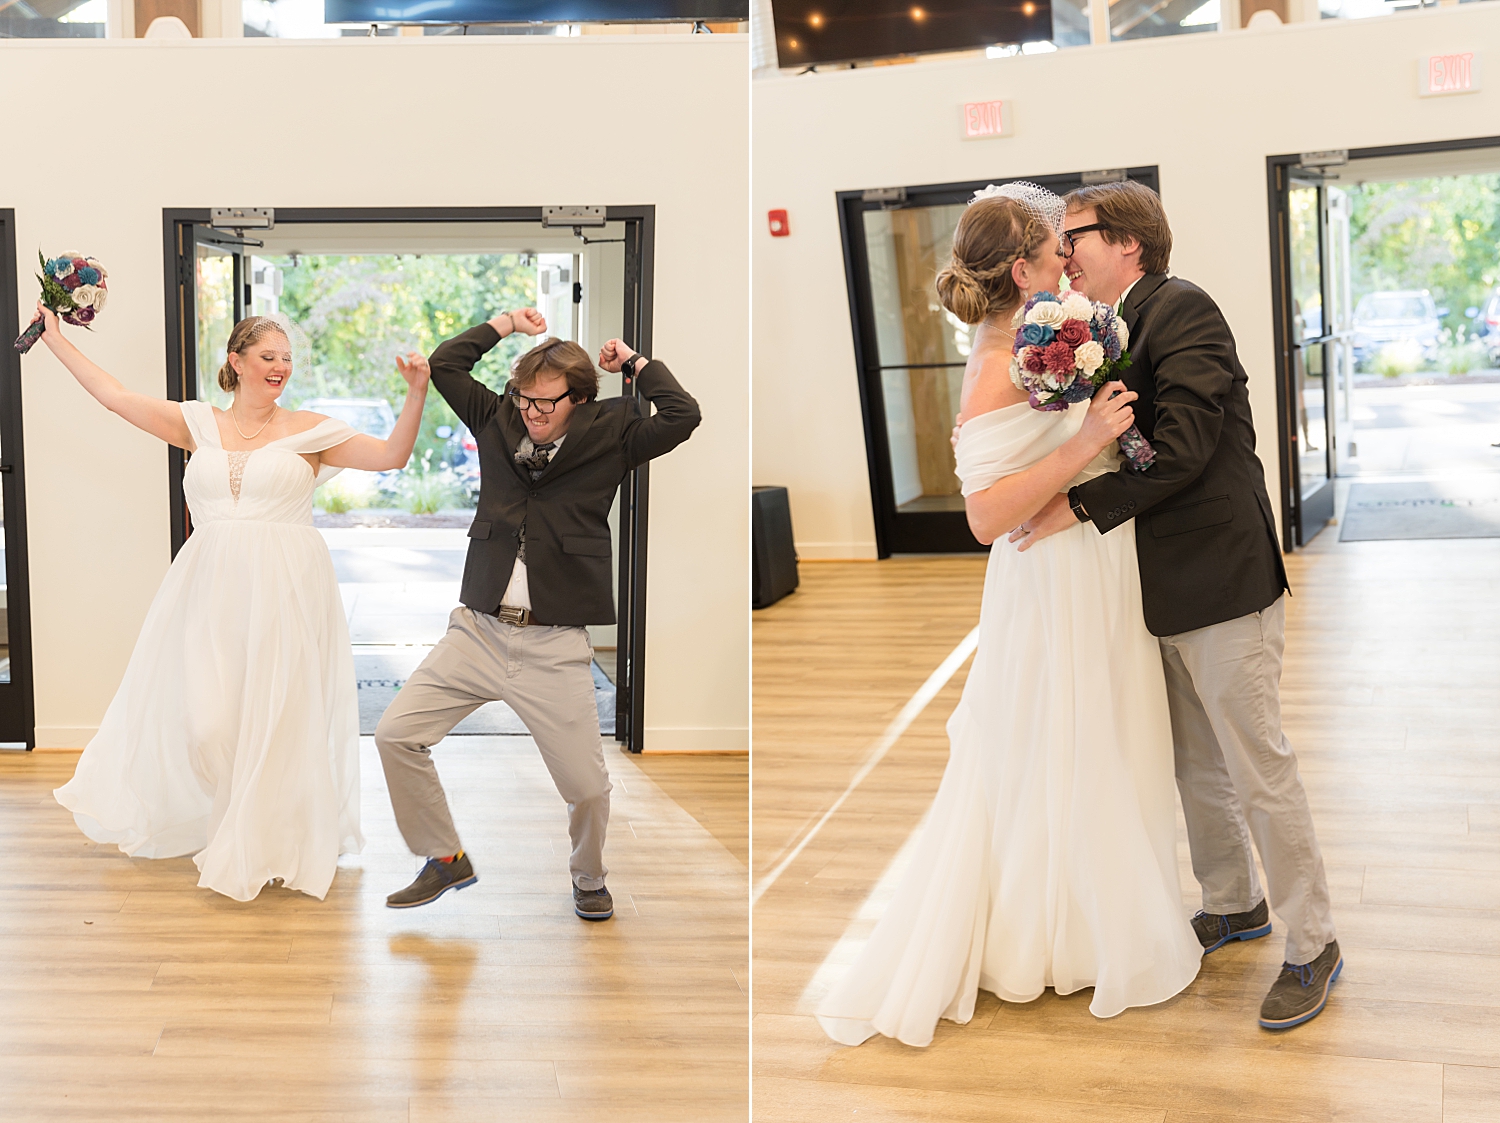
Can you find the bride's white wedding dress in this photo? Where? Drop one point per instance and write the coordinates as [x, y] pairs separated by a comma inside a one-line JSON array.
[[234, 735], [1050, 854]]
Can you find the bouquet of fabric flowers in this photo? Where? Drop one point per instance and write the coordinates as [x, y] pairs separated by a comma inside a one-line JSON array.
[[73, 287], [1066, 348]]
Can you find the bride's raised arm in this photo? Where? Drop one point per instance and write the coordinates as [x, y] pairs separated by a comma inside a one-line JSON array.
[[1011, 500], [375, 455], [157, 416]]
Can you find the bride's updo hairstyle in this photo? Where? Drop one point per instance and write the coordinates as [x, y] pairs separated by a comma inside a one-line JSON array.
[[992, 235], [246, 334]]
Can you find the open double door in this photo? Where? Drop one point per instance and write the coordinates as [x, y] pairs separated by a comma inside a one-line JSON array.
[[594, 283]]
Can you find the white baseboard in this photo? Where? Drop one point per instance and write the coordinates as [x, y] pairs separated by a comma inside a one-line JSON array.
[[836, 551], [682, 740], [64, 736]]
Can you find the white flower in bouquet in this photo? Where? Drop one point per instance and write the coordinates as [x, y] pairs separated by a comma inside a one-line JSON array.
[[1123, 332], [85, 295], [100, 296], [1089, 357], [1076, 306], [1048, 313], [1015, 372], [93, 264], [64, 267]]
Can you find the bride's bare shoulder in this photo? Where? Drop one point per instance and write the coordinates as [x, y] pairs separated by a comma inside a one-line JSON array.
[[988, 385], [304, 419]]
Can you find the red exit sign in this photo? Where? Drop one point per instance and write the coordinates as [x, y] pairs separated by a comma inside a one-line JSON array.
[[1449, 74], [984, 119]]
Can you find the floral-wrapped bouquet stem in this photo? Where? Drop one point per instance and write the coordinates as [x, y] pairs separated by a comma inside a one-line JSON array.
[[1066, 348], [74, 287]]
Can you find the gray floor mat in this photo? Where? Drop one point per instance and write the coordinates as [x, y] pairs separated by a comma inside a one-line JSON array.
[[379, 675], [1464, 508]]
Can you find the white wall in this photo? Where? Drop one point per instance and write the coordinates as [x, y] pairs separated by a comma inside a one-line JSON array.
[[378, 122], [1207, 109]]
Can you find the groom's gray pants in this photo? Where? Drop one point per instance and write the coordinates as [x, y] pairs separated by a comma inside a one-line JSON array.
[[540, 672], [1238, 776]]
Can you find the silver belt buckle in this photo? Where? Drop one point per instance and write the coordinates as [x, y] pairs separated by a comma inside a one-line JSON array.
[[509, 614]]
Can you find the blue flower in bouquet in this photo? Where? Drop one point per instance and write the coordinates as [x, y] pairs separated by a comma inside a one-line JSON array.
[[1036, 335], [1081, 391], [88, 275]]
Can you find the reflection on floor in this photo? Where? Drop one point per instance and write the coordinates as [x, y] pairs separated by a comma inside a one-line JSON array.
[[1390, 701], [132, 996]]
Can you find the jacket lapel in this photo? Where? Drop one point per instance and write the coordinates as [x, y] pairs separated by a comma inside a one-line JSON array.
[[1131, 311], [512, 429]]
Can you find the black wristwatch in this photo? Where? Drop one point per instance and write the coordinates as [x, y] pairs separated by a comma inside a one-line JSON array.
[[627, 368], [1077, 504]]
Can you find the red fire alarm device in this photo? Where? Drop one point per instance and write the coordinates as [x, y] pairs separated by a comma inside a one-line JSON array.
[[779, 228]]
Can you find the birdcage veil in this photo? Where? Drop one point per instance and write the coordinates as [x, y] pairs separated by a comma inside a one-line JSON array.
[[1047, 205]]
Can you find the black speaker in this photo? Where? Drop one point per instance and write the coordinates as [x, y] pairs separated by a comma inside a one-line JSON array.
[[775, 560]]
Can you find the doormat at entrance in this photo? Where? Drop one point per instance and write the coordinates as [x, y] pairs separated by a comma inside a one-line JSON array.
[[379, 675], [1427, 509]]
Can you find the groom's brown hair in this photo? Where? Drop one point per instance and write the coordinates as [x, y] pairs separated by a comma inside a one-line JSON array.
[[1129, 210]]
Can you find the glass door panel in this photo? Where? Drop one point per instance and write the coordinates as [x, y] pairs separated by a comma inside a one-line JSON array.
[[1308, 291], [921, 349]]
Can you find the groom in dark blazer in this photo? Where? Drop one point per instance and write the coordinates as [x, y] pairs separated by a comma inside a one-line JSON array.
[[1213, 591], [552, 457]]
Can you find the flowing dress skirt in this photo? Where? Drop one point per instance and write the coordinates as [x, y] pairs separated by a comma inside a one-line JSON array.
[[1050, 856], [234, 735]]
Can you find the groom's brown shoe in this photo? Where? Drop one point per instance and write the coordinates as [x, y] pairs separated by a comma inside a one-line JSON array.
[[1215, 930], [1300, 993], [436, 878]]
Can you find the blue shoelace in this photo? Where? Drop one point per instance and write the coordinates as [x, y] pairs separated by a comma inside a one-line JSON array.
[[1304, 972]]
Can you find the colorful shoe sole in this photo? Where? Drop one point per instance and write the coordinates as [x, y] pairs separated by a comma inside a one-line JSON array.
[[464, 884], [1247, 934], [1313, 1013]]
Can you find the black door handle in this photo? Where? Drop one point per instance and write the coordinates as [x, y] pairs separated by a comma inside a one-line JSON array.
[[7, 467]]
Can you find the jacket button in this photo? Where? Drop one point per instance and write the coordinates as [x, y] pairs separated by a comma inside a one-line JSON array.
[[534, 494]]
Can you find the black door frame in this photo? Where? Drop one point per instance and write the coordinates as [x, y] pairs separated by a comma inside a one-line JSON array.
[[17, 697], [925, 531], [640, 244], [1279, 172]]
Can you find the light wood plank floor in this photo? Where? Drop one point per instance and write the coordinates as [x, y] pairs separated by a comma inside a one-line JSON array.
[[714, 788], [1392, 699], [128, 994]]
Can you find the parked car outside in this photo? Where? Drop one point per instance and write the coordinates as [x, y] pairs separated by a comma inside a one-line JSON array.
[[461, 453], [373, 416], [1384, 318]]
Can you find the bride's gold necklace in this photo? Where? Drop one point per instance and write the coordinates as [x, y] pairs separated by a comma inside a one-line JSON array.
[[236, 422]]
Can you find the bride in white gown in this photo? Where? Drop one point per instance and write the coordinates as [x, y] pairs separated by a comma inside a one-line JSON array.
[[234, 735], [1049, 858]]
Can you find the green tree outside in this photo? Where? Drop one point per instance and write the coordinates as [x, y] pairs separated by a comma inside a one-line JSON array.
[[1440, 234]]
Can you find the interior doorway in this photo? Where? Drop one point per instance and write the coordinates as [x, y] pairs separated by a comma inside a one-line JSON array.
[[17, 715], [363, 287], [910, 352], [1386, 274]]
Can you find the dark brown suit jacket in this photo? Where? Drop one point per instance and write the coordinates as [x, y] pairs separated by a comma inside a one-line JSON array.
[[1204, 533], [566, 511]]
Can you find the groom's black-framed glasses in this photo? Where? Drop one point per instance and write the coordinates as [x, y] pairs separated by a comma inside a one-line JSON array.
[[1068, 236], [541, 405]]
